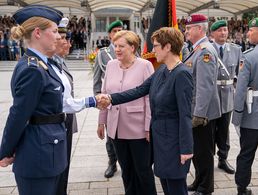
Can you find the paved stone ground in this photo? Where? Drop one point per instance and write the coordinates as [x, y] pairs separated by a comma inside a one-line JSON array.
[[89, 159]]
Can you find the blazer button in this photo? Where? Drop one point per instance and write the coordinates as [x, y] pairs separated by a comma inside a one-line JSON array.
[[56, 141], [117, 108]]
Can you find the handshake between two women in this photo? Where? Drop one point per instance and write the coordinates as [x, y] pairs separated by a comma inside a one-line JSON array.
[[103, 101]]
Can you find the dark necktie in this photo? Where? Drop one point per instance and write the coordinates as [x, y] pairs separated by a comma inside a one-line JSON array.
[[221, 52], [53, 62]]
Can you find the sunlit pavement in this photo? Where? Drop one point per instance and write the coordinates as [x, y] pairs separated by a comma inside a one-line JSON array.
[[89, 158]]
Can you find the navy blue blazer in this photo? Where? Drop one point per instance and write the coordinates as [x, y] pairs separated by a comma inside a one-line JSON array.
[[40, 150], [171, 127]]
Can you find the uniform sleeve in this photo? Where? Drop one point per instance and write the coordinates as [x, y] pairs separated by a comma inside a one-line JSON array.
[[183, 89], [97, 75], [73, 105], [206, 76], [149, 70], [241, 90], [27, 92], [185, 52]]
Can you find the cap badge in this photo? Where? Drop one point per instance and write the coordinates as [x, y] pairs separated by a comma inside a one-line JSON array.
[[206, 58], [253, 22], [189, 19]]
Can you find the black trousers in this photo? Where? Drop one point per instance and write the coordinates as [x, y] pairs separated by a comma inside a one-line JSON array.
[[248, 147], [133, 157], [37, 186], [174, 186], [111, 151], [203, 159], [63, 182], [222, 135]]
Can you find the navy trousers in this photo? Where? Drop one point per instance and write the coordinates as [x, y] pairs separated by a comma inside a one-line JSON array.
[[37, 186], [174, 186]]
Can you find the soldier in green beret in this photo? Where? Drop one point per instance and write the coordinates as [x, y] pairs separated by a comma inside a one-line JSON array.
[[245, 113], [230, 56], [104, 55]]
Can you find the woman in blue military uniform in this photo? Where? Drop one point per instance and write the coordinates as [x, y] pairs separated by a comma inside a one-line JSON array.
[[34, 137]]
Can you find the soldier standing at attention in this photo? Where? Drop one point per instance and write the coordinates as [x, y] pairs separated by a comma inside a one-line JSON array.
[[203, 62], [104, 55], [34, 135], [230, 56], [245, 113]]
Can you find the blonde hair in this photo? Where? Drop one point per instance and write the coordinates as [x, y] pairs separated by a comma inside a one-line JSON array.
[[26, 28], [169, 35], [131, 38]]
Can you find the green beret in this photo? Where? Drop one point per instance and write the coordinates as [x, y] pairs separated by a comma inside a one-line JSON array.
[[117, 23], [253, 23], [220, 23]]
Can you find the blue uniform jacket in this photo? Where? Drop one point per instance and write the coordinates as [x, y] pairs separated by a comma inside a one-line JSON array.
[[170, 96], [40, 150]]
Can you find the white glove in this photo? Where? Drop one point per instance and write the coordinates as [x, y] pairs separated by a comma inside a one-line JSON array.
[[237, 130]]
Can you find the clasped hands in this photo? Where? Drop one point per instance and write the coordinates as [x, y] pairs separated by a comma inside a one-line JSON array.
[[103, 101]]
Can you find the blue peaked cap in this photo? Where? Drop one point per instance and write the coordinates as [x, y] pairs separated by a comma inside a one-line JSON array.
[[43, 11]]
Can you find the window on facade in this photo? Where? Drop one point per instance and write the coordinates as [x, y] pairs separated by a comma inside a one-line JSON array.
[[101, 25]]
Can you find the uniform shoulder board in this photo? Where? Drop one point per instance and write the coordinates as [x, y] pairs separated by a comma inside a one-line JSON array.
[[33, 61], [203, 45], [103, 49], [249, 50], [235, 45], [107, 49]]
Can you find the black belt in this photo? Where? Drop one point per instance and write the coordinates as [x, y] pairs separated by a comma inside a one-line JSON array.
[[48, 119]]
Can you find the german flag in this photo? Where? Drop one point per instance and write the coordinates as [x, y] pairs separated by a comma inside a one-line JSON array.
[[164, 16]]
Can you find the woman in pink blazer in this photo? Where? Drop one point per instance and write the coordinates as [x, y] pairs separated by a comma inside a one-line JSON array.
[[128, 124]]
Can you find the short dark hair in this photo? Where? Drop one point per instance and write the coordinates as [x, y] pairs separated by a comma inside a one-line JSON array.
[[169, 35]]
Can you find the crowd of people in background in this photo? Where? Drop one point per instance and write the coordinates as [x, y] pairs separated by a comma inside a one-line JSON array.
[[80, 30]]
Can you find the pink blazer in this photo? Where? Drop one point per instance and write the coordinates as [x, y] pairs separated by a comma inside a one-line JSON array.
[[129, 120]]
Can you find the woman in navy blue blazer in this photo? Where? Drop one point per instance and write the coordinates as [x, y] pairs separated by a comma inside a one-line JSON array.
[[170, 93]]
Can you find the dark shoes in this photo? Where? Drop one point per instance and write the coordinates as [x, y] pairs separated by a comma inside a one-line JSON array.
[[191, 188], [244, 191], [200, 193], [110, 170], [224, 165]]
